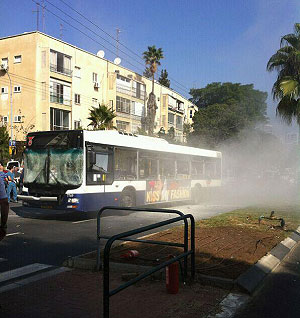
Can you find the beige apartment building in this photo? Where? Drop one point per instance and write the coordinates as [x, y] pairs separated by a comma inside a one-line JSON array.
[[54, 84]]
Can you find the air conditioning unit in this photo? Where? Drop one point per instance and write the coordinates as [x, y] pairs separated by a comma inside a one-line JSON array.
[[96, 85]]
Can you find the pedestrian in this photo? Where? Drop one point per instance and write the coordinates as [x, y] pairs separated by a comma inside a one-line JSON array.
[[11, 185], [2, 173], [4, 206]]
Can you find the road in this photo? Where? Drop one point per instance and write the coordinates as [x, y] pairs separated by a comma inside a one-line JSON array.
[[280, 294], [52, 241]]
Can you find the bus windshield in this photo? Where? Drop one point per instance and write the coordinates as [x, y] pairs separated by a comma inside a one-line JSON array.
[[56, 167]]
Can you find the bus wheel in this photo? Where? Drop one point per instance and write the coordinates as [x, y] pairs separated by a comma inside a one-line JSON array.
[[197, 194], [128, 198]]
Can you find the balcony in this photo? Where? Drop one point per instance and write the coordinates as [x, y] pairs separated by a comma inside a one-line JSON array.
[[137, 93], [59, 99], [60, 69]]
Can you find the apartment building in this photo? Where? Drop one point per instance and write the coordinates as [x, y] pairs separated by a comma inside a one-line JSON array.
[[53, 85]]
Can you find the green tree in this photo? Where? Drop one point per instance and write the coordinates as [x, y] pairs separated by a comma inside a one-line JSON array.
[[225, 109], [286, 89], [163, 79], [4, 143], [101, 117], [147, 73], [152, 58]]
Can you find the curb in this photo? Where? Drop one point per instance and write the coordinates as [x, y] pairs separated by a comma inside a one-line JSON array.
[[250, 280]]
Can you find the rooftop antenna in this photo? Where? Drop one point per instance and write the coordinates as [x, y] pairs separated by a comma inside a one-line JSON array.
[[61, 28], [37, 11], [43, 16], [118, 33]]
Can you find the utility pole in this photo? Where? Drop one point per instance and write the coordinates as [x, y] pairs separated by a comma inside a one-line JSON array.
[[11, 110], [37, 11], [118, 32], [43, 15]]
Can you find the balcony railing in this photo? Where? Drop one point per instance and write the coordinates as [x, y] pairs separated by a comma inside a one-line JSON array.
[[59, 69], [123, 89], [59, 99]]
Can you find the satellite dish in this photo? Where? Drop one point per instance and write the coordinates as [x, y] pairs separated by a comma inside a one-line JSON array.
[[100, 53], [117, 60]]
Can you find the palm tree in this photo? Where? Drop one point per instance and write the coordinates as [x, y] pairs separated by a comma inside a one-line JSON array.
[[286, 89], [101, 117], [152, 58]]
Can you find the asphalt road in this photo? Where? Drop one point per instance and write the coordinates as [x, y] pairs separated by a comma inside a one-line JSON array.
[[280, 293], [52, 241]]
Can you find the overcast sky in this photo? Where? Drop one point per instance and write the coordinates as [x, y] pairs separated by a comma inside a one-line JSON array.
[[203, 41]]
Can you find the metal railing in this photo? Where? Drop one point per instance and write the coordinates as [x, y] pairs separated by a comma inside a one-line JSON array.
[[125, 236], [60, 69], [99, 236]]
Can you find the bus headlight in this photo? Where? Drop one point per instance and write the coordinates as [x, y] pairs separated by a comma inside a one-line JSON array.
[[73, 200]]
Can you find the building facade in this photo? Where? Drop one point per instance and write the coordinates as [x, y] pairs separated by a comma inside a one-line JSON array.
[[54, 85]]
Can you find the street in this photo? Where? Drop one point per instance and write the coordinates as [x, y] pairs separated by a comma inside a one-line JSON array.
[[51, 241]]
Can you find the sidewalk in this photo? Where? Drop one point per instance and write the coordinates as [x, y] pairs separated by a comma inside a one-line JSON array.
[[79, 294]]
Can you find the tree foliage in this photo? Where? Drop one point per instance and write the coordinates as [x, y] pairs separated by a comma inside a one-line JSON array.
[[286, 89], [225, 109], [101, 117], [163, 79], [4, 143], [152, 58]]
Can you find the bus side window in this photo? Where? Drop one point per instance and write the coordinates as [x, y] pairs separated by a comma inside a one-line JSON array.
[[197, 169], [147, 168], [167, 168], [183, 169], [125, 164]]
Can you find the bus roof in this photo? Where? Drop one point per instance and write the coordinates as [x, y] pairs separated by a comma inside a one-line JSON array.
[[115, 138]]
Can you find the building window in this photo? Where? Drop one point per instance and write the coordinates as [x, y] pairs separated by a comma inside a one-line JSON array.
[[77, 72], [18, 59], [4, 90], [122, 125], [138, 90], [123, 105], [17, 89], [5, 62], [17, 119], [60, 93], [178, 122], [77, 124], [191, 114], [60, 63], [59, 119], [95, 102], [77, 98], [5, 119], [171, 118], [123, 85], [95, 78]]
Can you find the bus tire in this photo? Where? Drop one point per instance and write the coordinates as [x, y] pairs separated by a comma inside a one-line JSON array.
[[128, 198], [197, 194]]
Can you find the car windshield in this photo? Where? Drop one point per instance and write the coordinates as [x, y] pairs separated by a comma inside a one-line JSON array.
[[54, 167]]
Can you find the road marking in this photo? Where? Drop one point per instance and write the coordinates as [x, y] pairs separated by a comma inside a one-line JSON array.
[[82, 221], [16, 233], [22, 271]]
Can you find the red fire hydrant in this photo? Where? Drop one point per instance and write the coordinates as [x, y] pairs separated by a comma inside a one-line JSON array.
[[172, 277]]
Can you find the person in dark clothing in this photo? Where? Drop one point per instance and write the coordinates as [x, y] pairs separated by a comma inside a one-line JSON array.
[[4, 209]]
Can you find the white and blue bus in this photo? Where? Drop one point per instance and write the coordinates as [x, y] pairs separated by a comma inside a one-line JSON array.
[[81, 171]]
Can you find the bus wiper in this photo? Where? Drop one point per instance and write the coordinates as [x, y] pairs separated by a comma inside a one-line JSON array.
[[97, 168]]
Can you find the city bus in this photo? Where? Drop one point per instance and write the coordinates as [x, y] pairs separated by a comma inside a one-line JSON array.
[[81, 171]]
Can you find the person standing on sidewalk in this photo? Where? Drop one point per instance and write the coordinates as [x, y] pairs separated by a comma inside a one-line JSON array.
[[4, 208], [11, 185]]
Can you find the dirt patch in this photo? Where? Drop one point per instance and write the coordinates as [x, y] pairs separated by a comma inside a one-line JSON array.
[[223, 251]]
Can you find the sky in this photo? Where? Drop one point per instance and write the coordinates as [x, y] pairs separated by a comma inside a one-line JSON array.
[[203, 41]]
